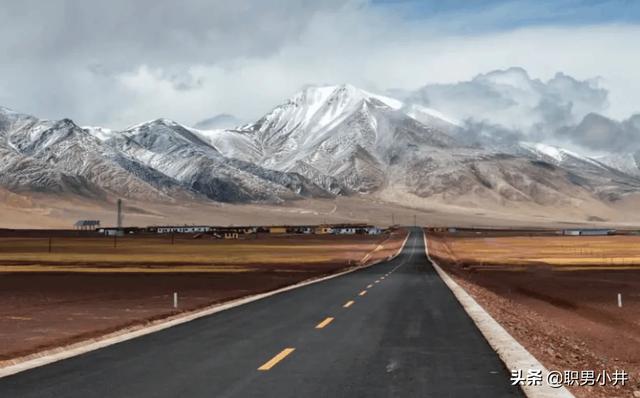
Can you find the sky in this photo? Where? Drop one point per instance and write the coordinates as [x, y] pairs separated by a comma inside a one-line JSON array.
[[117, 63]]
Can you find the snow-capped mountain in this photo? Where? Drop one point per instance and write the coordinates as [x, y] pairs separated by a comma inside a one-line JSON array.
[[349, 140], [177, 152], [603, 177], [59, 156], [323, 141], [339, 136], [627, 163], [159, 160]]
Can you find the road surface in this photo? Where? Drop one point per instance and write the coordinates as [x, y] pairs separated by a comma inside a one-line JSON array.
[[391, 330]]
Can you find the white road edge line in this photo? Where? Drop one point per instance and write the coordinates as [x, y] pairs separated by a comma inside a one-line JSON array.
[[60, 353], [512, 353]]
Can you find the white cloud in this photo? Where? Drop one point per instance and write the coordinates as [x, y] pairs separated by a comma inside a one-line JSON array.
[[248, 60], [511, 99]]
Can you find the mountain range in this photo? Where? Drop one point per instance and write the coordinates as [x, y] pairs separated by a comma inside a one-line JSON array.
[[323, 142]]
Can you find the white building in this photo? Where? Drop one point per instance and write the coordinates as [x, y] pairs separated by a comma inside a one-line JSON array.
[[186, 229]]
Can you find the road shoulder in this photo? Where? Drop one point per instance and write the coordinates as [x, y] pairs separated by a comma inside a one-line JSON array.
[[512, 353]]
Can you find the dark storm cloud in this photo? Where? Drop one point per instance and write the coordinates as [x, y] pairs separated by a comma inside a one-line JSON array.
[[59, 54], [484, 133], [600, 133], [121, 33]]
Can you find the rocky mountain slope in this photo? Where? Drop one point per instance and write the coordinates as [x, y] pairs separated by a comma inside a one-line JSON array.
[[324, 141], [348, 140], [341, 137], [158, 160]]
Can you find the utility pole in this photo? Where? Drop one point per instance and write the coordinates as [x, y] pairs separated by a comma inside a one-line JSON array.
[[415, 220], [119, 215], [393, 221]]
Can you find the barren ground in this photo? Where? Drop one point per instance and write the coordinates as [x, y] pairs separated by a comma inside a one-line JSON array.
[[569, 320], [86, 288], [30, 210], [561, 252]]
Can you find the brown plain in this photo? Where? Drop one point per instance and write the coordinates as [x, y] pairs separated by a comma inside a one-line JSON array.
[[555, 297], [85, 288]]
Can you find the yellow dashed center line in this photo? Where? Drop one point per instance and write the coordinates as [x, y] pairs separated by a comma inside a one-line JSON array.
[[324, 323], [348, 304], [362, 293], [274, 361]]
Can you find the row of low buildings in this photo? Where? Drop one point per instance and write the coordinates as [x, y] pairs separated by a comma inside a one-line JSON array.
[[336, 229], [588, 232], [236, 231], [531, 232]]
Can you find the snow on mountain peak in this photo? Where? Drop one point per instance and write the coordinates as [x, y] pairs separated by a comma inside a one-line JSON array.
[[430, 116], [338, 139], [164, 121], [346, 91], [10, 119], [100, 133], [319, 108], [104, 134], [556, 153]]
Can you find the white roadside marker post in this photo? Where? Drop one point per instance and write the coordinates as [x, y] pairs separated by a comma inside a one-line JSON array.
[[175, 299], [619, 300]]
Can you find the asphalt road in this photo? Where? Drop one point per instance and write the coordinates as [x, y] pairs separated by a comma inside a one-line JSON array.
[[392, 330]]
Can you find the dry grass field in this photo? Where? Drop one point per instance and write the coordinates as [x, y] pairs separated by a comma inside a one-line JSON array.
[[182, 254], [86, 288], [562, 252]]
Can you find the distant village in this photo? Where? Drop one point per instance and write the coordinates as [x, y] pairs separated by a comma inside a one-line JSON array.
[[224, 232], [232, 232]]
